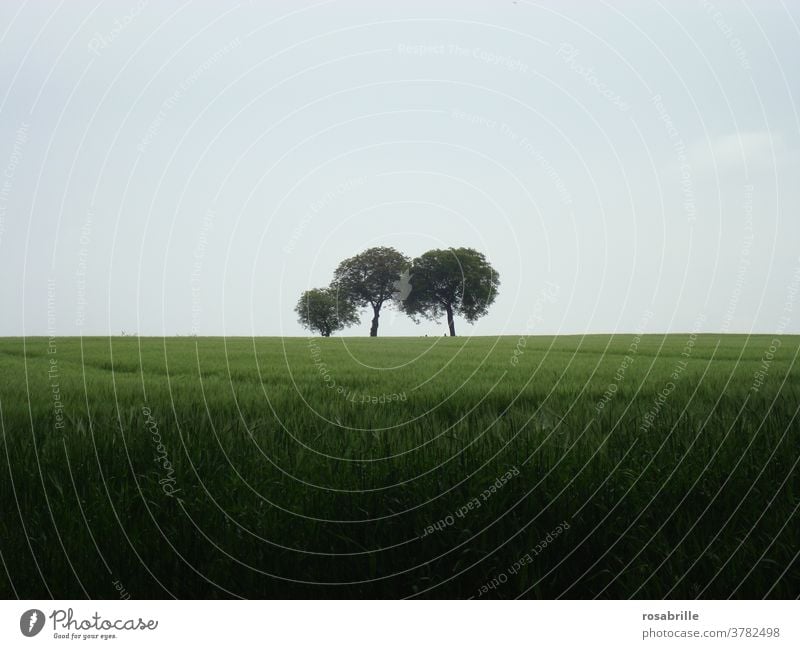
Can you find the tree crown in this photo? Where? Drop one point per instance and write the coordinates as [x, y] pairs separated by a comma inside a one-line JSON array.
[[457, 279], [371, 277], [323, 310]]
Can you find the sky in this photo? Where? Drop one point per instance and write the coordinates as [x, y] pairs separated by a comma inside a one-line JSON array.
[[176, 168]]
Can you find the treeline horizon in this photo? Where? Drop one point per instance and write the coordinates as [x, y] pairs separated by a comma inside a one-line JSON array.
[[440, 283]]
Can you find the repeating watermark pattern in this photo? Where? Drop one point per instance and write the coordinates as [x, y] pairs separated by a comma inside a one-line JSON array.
[[684, 166], [677, 372], [99, 41], [344, 392], [318, 206], [286, 522], [198, 255], [549, 169], [521, 141], [734, 41], [624, 364], [475, 53], [744, 259], [619, 376], [168, 481], [547, 295], [569, 53], [118, 586], [20, 140], [789, 300], [53, 373], [387, 397], [172, 101], [525, 560], [760, 375], [80, 272], [474, 119], [472, 504]]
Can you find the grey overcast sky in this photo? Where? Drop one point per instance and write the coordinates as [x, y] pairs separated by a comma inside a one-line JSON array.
[[177, 167]]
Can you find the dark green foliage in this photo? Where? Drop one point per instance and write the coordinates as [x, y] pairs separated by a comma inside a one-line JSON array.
[[370, 279], [456, 281], [322, 310]]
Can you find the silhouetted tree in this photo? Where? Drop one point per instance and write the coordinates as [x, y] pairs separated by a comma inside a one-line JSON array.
[[323, 310], [371, 279], [449, 282]]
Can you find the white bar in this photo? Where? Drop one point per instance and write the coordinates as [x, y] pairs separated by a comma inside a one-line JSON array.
[[407, 624]]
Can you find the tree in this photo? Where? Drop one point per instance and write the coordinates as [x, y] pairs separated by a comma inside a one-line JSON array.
[[371, 279], [324, 311], [448, 282]]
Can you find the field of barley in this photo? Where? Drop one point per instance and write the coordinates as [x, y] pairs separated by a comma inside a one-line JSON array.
[[495, 467]]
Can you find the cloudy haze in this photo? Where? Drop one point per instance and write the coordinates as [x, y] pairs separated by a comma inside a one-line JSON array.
[[169, 168]]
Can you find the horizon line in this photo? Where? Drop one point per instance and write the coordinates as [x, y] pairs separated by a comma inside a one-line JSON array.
[[503, 335]]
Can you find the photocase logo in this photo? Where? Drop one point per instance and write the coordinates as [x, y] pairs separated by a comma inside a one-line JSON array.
[[402, 287], [31, 622]]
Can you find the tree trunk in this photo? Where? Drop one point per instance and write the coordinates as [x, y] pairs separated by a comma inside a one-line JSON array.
[[450, 322], [376, 310]]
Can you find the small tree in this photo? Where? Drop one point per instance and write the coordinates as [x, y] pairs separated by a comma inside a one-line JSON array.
[[371, 279], [324, 311], [448, 282]]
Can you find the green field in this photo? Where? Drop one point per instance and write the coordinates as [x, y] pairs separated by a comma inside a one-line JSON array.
[[570, 466]]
